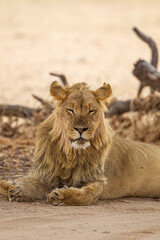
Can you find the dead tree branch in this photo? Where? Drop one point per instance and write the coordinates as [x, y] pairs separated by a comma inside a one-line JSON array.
[[146, 72], [17, 111], [118, 107], [148, 75], [41, 100], [152, 45], [62, 78], [115, 108]]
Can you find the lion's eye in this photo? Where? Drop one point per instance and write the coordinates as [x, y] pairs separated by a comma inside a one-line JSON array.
[[91, 111], [71, 111]]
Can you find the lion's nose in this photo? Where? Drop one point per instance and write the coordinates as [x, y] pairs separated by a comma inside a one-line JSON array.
[[81, 130]]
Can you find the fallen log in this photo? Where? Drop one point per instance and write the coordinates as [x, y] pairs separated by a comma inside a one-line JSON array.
[[25, 112], [17, 111], [118, 107]]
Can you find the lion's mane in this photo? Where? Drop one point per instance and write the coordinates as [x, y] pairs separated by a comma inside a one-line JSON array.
[[56, 161]]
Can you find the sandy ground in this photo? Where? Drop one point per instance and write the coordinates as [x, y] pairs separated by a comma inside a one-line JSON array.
[[88, 41], [111, 220]]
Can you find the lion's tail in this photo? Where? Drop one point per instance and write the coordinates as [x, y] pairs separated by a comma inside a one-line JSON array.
[[4, 187]]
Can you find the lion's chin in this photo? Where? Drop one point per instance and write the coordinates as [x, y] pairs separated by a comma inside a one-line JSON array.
[[80, 144]]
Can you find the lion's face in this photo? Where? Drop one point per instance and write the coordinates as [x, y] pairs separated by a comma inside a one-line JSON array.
[[80, 112]]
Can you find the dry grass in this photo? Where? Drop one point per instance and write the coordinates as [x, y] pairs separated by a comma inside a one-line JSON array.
[[143, 125]]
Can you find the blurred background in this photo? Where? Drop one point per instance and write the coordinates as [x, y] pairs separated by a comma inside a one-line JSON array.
[[87, 40]]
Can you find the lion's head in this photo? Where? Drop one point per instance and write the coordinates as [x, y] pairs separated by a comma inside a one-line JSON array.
[[80, 112], [72, 143]]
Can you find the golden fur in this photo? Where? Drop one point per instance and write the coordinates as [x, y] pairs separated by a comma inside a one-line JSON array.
[[78, 160]]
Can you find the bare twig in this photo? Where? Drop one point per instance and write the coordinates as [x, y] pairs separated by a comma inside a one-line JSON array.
[[43, 102]]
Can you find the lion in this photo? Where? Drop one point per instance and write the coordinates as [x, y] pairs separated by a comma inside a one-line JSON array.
[[78, 159]]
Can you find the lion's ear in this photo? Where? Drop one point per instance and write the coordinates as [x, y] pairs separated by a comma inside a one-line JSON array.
[[103, 93], [57, 91]]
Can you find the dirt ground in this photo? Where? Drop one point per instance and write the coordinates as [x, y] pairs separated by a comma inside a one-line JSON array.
[[88, 41], [111, 220]]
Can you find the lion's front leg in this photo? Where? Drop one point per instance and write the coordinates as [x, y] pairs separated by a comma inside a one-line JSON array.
[[11, 190], [23, 189], [76, 196]]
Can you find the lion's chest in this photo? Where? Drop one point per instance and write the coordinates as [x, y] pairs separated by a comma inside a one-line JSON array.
[[73, 174], [74, 179], [79, 170]]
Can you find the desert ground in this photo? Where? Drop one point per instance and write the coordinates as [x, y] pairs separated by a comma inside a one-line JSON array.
[[113, 220], [90, 41]]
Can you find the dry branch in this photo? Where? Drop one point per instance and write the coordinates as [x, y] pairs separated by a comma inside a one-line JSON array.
[[22, 111], [118, 107], [41, 100], [152, 45], [17, 111], [150, 103], [62, 78], [146, 72]]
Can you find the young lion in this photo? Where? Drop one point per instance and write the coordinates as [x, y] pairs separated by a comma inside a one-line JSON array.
[[79, 160]]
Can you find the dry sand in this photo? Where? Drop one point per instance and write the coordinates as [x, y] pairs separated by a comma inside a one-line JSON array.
[[111, 220], [88, 41]]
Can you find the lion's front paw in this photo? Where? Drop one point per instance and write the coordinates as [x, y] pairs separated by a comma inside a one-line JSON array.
[[61, 196], [56, 197], [15, 194]]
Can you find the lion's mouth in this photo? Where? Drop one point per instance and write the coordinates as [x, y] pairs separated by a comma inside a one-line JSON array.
[[80, 143], [80, 140]]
